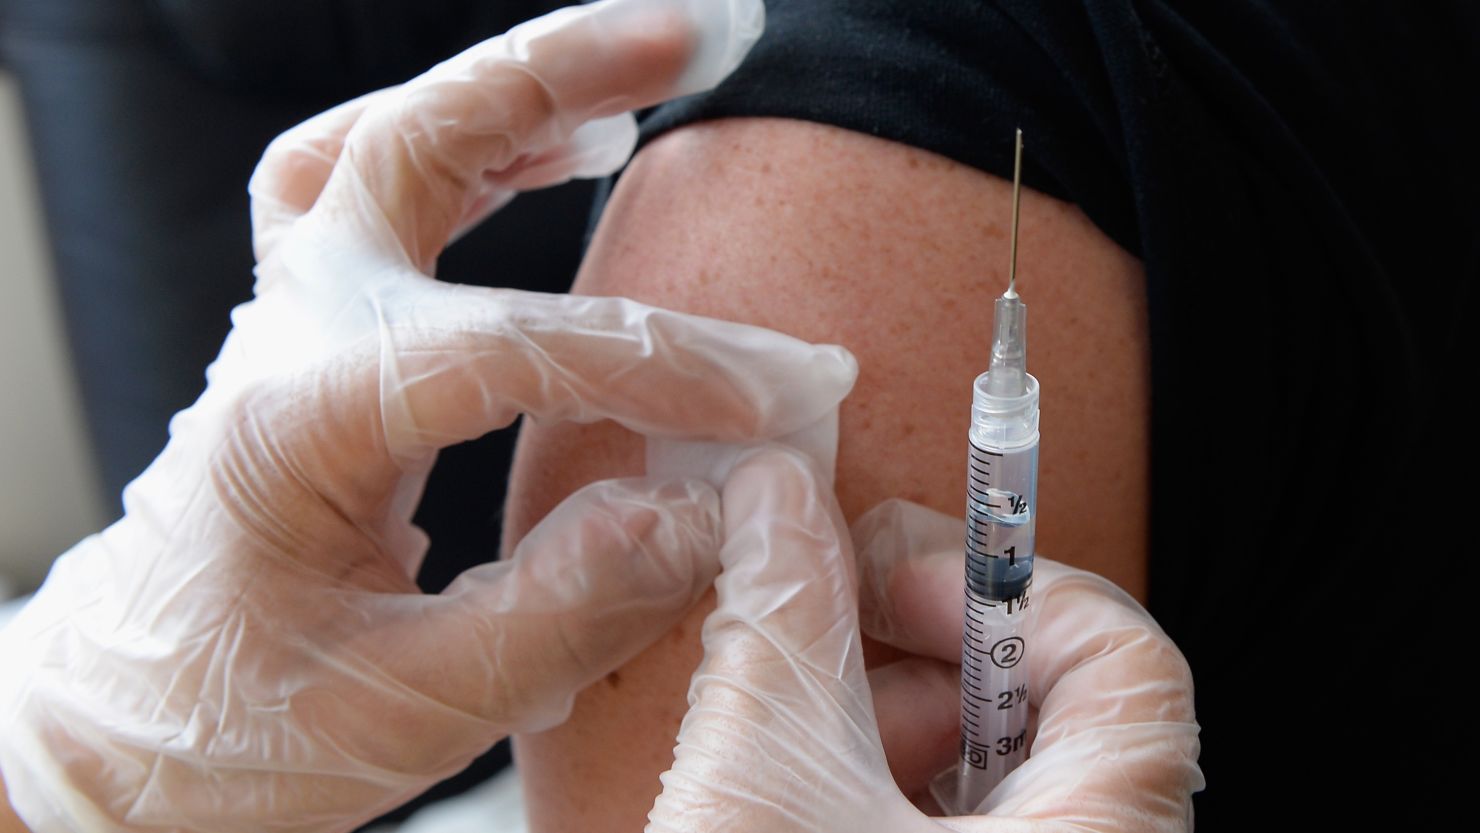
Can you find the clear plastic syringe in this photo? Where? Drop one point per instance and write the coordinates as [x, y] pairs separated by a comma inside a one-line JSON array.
[[1001, 501]]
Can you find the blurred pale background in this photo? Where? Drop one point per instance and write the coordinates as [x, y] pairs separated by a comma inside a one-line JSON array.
[[49, 491]]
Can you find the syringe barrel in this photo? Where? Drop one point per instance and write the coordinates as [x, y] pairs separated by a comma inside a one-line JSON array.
[[1001, 513], [1001, 499], [1001, 490], [994, 703]]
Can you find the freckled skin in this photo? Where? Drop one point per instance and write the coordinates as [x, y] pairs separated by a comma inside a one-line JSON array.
[[896, 254]]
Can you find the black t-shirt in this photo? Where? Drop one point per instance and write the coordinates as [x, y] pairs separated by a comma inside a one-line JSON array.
[[1300, 181]]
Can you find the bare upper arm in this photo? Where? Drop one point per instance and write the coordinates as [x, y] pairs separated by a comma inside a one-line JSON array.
[[896, 254]]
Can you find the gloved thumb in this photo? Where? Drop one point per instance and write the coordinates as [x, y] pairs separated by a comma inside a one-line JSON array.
[[781, 704], [609, 571]]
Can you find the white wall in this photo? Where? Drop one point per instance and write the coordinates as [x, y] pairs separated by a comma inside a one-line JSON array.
[[49, 491]]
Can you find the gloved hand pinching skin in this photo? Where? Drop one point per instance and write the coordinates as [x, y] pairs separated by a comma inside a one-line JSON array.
[[786, 731], [245, 649]]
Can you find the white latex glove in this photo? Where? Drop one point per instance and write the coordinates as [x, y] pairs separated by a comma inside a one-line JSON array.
[[245, 649], [782, 732]]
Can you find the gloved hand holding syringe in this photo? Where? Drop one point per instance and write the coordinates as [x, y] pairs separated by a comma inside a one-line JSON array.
[[1001, 508], [782, 734]]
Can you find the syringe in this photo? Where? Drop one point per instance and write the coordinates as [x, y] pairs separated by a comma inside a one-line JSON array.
[[1001, 501]]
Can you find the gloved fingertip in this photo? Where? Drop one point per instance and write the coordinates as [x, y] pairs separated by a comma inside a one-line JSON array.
[[724, 41], [686, 530], [607, 572], [804, 382], [844, 365], [671, 526]]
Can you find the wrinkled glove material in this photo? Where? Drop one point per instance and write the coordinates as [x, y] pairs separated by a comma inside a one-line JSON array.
[[782, 732]]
